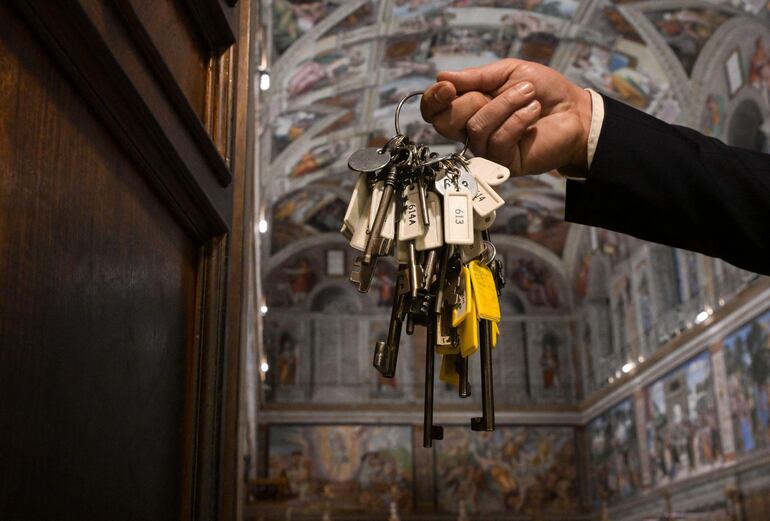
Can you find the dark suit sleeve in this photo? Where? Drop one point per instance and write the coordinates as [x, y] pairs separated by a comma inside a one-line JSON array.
[[674, 186]]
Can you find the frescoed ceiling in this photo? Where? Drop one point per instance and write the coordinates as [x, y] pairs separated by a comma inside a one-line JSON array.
[[339, 67]]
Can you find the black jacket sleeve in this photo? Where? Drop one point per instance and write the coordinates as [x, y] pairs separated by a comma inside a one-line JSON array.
[[672, 185]]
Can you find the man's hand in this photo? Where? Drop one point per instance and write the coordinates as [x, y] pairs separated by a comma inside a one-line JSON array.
[[519, 114]]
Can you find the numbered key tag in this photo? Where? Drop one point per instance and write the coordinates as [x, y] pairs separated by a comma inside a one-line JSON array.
[[434, 232], [484, 223], [495, 334], [488, 171], [458, 216], [463, 308], [469, 252], [468, 331], [410, 226], [486, 200], [360, 236], [484, 291], [448, 372]]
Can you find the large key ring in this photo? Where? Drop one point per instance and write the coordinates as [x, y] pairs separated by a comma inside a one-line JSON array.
[[398, 124]]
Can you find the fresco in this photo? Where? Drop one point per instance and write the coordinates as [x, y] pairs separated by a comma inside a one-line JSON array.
[[349, 469], [290, 126], [759, 66], [536, 281], [614, 453], [318, 158], [559, 8], [327, 69], [614, 73], [305, 213], [747, 358], [362, 17], [292, 283], [350, 103], [687, 30], [714, 116], [681, 423], [293, 18], [523, 470], [537, 215]]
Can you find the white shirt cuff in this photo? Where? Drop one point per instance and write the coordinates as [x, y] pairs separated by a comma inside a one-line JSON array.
[[597, 119]]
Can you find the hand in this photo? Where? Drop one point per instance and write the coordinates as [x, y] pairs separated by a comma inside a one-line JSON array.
[[519, 114]]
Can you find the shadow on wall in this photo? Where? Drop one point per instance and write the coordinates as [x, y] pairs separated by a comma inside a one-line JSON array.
[[746, 127]]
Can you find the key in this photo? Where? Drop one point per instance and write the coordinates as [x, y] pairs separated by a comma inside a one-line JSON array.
[[483, 223], [487, 420], [358, 204], [464, 384], [486, 200], [430, 432], [388, 230], [458, 216], [414, 276], [376, 245], [464, 305], [423, 202], [492, 173], [447, 342], [434, 232], [449, 179], [386, 353]]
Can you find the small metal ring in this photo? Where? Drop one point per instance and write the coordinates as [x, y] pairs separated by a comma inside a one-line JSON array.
[[489, 259], [398, 109]]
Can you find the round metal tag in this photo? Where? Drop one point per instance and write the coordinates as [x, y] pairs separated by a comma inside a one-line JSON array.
[[369, 160], [444, 182]]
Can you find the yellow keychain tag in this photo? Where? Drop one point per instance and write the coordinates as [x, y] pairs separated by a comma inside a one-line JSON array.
[[484, 291], [448, 372], [495, 334], [468, 331], [460, 311]]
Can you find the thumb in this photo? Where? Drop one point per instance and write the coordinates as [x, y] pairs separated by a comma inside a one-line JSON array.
[[487, 78]]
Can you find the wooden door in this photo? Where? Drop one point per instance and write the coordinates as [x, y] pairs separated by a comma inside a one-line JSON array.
[[122, 161]]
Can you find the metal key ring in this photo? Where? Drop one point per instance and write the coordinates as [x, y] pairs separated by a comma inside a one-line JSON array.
[[397, 121]]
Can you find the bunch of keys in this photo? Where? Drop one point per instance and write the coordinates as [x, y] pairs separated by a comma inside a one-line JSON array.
[[433, 213]]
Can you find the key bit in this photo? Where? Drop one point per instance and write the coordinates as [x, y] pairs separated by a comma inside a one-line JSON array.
[[462, 370], [429, 268], [487, 420], [414, 282], [386, 353], [430, 432]]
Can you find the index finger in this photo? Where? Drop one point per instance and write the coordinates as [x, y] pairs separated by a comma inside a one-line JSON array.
[[436, 99]]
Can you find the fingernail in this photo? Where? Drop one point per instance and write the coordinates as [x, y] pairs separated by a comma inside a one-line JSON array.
[[533, 106], [444, 94], [525, 87]]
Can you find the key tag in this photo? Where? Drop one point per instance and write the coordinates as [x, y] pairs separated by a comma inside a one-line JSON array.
[[463, 308], [484, 223], [495, 334], [458, 216], [468, 330], [484, 291], [486, 200], [357, 205], [411, 226], [488, 171], [448, 372], [360, 234], [434, 232]]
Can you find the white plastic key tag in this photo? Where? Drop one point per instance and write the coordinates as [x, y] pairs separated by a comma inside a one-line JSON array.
[[486, 200], [377, 191], [402, 252], [488, 171], [357, 205], [484, 223], [458, 216], [410, 226], [389, 225], [434, 232], [468, 252], [359, 234]]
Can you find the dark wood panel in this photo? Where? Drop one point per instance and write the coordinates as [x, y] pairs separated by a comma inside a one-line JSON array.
[[97, 315], [173, 32]]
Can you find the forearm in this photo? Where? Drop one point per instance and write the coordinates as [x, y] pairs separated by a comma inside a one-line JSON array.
[[671, 185]]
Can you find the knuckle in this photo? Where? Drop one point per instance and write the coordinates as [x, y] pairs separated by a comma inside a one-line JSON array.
[[475, 126]]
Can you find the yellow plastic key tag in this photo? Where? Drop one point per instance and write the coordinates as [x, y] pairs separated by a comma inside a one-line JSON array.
[[495, 334], [448, 372], [468, 331], [464, 293], [484, 292]]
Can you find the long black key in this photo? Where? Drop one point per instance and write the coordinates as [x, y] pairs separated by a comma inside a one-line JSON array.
[[431, 432], [487, 421]]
